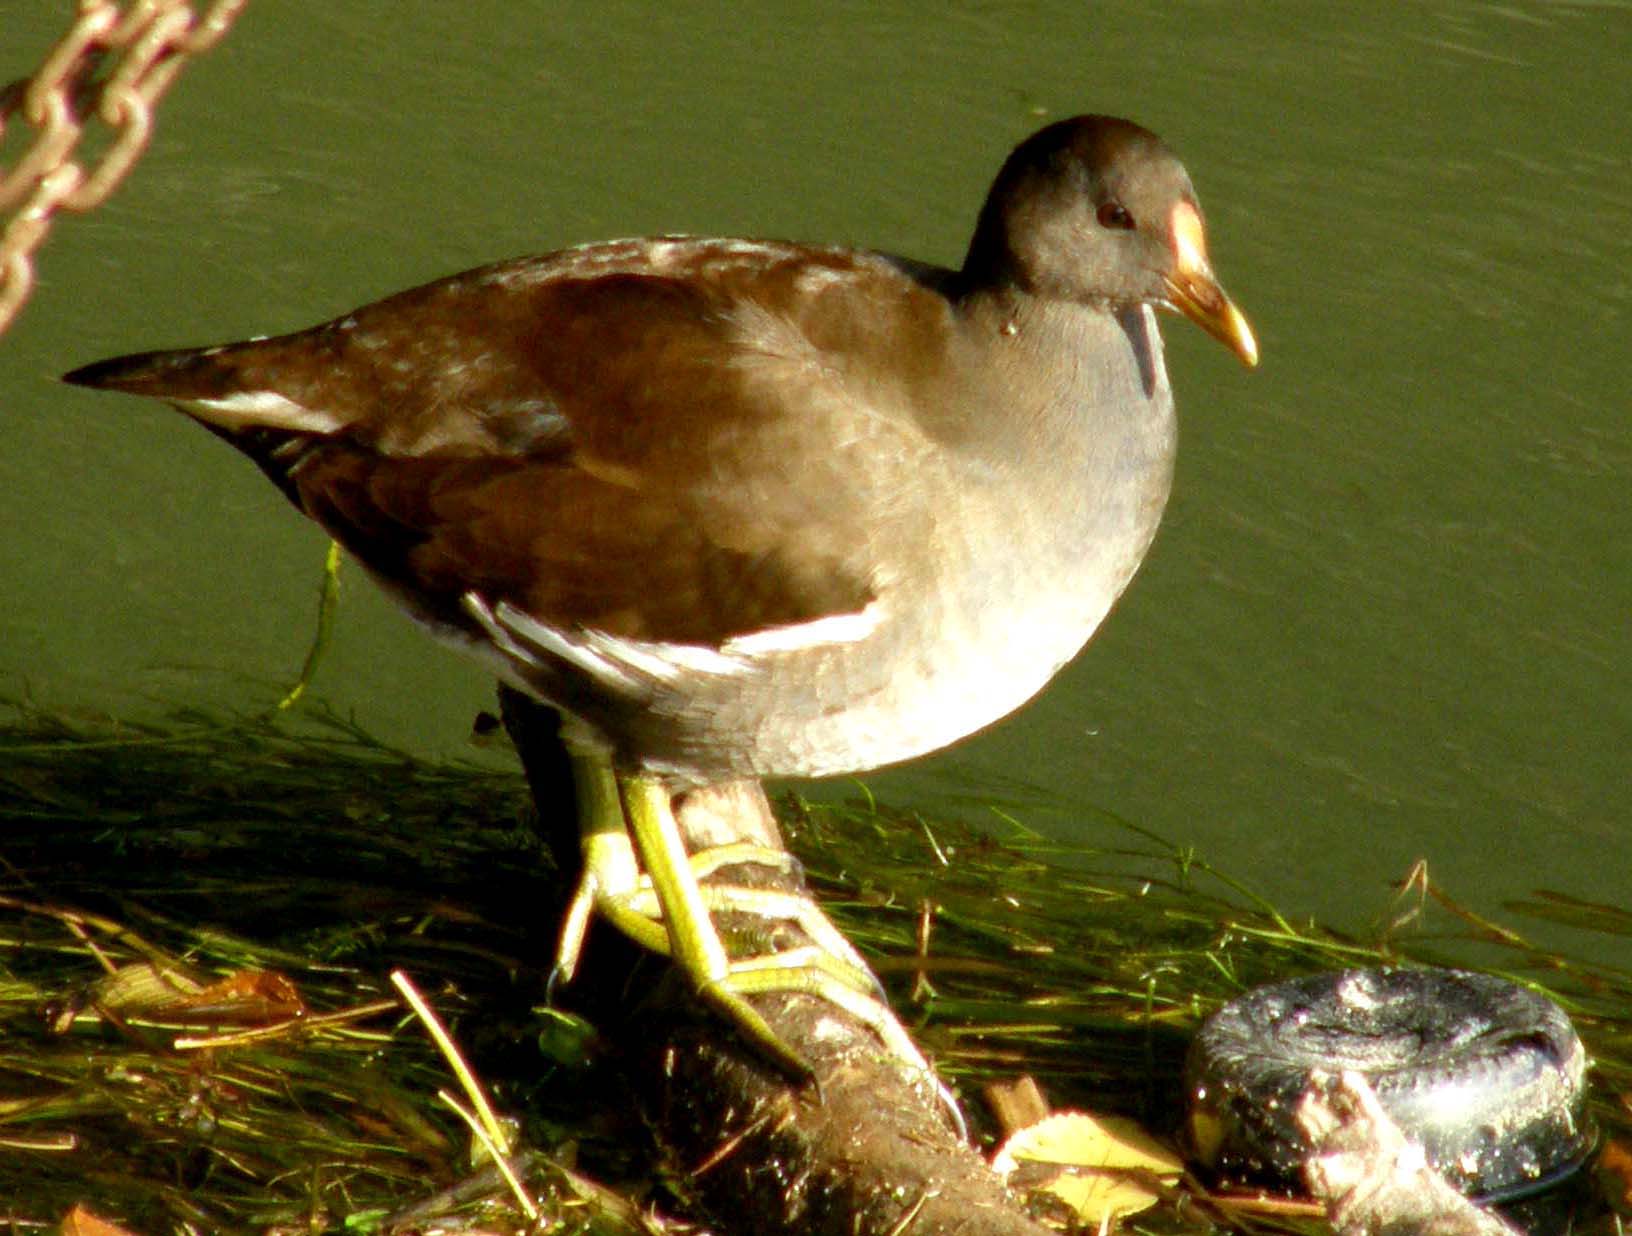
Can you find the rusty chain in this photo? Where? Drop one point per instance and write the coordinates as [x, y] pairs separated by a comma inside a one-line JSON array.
[[113, 64]]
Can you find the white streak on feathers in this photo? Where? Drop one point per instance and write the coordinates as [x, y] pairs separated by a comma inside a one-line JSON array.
[[627, 665], [849, 628], [260, 409]]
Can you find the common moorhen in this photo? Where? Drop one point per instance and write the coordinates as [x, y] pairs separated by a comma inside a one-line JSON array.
[[745, 508]]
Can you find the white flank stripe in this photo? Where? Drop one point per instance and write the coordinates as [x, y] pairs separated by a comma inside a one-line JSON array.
[[509, 621], [665, 662], [477, 609], [261, 408], [621, 663], [797, 636]]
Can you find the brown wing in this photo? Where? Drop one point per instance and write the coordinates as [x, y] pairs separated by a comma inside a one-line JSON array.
[[594, 439], [561, 544]]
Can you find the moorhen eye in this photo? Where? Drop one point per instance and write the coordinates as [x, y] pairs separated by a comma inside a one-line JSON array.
[[1115, 215]]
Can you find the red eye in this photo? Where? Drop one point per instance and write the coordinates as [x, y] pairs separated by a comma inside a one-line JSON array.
[[1114, 214]]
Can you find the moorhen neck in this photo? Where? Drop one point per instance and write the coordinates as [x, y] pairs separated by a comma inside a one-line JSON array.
[[748, 508]]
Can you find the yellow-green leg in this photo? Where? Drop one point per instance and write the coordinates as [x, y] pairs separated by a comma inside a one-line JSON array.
[[694, 944], [610, 875], [665, 909]]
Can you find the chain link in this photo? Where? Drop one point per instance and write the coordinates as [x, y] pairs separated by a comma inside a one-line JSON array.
[[142, 48]]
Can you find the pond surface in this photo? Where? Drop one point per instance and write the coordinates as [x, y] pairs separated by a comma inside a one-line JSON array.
[[1388, 614]]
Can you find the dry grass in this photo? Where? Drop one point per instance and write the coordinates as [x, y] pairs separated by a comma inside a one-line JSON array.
[[197, 1032]]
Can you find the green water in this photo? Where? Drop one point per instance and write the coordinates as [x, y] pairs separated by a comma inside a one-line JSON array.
[[1388, 614]]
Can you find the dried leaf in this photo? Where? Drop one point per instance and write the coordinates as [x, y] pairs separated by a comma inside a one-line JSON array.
[[1102, 1167], [1615, 1172], [141, 989], [145, 990], [81, 1221], [247, 997]]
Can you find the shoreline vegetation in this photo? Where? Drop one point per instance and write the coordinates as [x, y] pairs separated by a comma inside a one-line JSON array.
[[198, 1030]]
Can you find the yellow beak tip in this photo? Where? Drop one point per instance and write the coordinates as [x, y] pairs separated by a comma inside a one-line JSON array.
[[1238, 335]]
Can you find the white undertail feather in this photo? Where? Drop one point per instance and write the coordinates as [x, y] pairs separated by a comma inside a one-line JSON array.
[[260, 410]]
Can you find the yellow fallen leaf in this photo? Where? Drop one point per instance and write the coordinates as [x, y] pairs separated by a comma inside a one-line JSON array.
[[1102, 1167], [82, 1221]]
